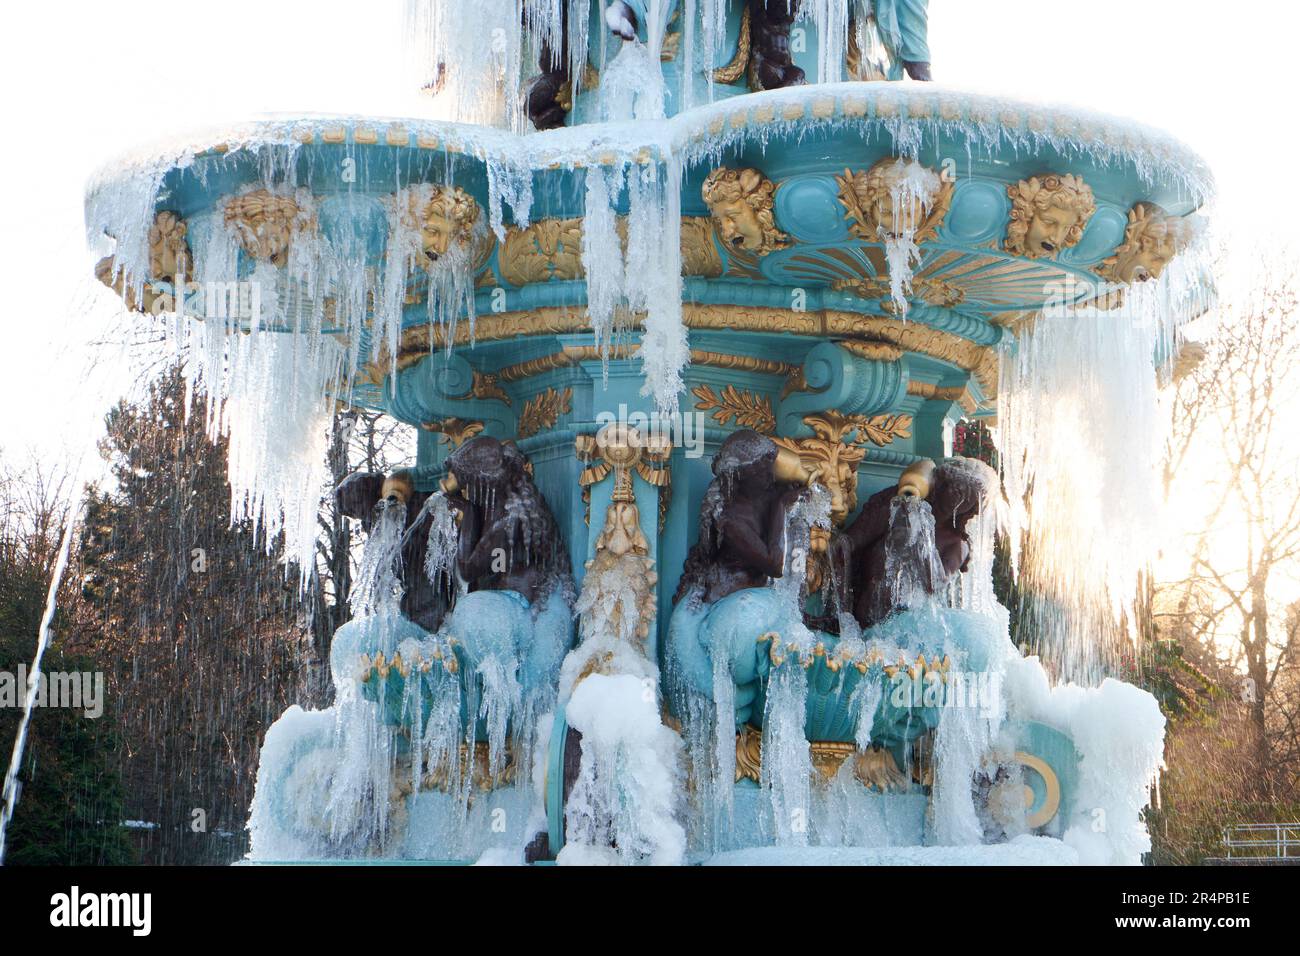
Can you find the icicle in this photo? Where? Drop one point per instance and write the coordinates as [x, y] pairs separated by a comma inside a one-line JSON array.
[[378, 586], [654, 278], [1078, 430], [443, 542], [602, 254], [831, 18], [787, 759], [912, 192]]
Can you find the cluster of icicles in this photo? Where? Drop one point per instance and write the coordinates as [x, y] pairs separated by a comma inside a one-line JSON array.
[[1080, 431], [367, 772], [273, 372], [798, 812], [478, 59], [275, 347], [295, 335]]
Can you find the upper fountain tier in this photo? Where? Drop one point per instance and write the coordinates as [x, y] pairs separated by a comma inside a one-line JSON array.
[[1025, 206], [828, 209]]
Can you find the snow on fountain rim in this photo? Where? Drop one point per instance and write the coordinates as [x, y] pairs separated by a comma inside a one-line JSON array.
[[907, 111]]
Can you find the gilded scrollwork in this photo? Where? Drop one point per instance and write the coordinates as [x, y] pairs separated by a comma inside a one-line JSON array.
[[735, 68], [545, 250], [874, 768], [454, 431], [486, 385], [832, 457], [931, 291], [749, 754], [851, 329], [747, 409], [544, 410]]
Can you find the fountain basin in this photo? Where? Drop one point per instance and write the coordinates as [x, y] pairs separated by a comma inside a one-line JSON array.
[[459, 279]]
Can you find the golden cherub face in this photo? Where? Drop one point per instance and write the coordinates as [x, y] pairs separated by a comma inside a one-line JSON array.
[[1151, 241], [1049, 228], [740, 205], [1048, 214], [737, 224]]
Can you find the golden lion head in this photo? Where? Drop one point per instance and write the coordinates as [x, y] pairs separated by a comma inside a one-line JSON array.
[[444, 215]]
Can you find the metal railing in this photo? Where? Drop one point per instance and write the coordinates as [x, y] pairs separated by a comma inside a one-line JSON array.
[[1262, 842]]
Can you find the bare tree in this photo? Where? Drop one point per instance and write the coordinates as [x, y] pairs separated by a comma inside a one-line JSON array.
[[1232, 431]]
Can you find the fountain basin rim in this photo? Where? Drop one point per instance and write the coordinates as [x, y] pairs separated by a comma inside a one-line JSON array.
[[988, 121]]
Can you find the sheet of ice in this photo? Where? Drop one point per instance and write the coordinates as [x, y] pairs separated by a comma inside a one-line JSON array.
[[1080, 431], [787, 759]]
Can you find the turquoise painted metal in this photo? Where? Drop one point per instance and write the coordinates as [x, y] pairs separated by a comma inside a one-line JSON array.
[[801, 330]]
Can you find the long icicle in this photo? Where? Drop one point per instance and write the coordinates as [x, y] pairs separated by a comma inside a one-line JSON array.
[[42, 642]]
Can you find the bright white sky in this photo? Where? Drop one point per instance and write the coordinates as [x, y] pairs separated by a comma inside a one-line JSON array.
[[85, 81]]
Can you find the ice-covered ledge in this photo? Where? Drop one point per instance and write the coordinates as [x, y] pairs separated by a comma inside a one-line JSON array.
[[534, 192], [909, 114]]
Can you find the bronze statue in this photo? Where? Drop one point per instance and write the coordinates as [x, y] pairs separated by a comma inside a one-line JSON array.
[[770, 65], [509, 540], [550, 96], [742, 518], [423, 601], [883, 539]]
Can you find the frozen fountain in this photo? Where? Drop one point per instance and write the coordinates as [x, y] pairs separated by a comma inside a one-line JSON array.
[[685, 299]]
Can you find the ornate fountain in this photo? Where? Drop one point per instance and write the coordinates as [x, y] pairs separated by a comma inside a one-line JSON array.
[[685, 568]]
